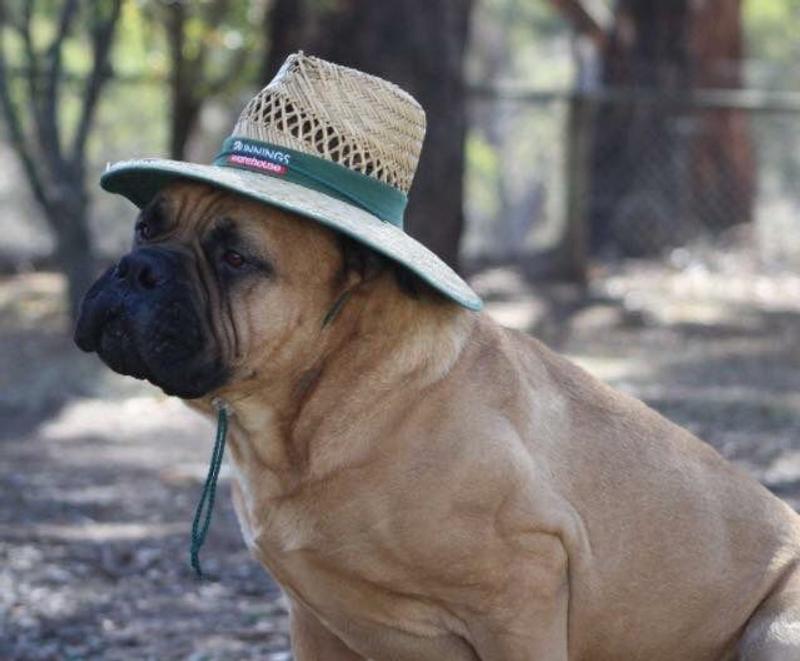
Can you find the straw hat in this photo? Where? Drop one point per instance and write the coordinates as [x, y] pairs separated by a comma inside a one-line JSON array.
[[332, 144]]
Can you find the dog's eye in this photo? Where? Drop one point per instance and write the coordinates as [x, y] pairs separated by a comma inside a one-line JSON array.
[[143, 230], [233, 258]]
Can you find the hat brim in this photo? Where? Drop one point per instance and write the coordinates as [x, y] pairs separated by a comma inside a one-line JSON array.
[[141, 180]]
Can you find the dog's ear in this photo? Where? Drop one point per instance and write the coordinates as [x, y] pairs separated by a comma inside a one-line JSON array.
[[364, 263], [409, 283], [359, 260]]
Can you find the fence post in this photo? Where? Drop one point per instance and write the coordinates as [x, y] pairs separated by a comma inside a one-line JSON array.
[[573, 253]]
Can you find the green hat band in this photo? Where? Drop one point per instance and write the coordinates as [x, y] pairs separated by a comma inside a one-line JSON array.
[[319, 174]]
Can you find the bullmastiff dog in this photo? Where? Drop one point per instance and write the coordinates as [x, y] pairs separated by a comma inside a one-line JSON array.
[[425, 484]]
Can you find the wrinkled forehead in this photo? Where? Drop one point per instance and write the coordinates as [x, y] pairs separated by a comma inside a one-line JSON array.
[[194, 207], [187, 210]]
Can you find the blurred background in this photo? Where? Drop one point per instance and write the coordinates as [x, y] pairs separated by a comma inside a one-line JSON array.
[[617, 177]]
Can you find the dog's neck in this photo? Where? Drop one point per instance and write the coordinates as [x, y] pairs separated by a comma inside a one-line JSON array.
[[301, 426]]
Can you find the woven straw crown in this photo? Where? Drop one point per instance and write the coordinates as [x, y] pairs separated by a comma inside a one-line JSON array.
[[342, 115]]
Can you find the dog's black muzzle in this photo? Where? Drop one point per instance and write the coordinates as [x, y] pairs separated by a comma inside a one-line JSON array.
[[142, 320]]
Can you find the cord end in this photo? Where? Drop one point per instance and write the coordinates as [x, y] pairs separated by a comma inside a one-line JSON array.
[[194, 560], [220, 404]]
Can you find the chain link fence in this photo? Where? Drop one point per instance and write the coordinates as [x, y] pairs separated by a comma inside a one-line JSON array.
[[633, 173], [638, 174]]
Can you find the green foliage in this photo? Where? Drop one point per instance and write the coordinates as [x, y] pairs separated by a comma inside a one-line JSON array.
[[34, 48], [132, 119], [483, 170], [225, 34], [772, 27], [529, 42], [511, 147], [773, 50]]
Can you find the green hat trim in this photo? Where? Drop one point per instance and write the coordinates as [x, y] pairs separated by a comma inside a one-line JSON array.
[[375, 197]]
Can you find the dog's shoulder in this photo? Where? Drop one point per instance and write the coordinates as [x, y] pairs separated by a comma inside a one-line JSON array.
[[502, 360]]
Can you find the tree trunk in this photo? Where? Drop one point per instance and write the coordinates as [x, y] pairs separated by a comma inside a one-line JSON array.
[[184, 107], [660, 172], [56, 169], [723, 156], [185, 113], [74, 253], [288, 25], [419, 45]]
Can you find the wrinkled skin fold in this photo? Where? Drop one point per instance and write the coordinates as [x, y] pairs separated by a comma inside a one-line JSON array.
[[144, 319]]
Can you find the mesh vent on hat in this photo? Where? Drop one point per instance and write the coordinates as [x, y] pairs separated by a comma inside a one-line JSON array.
[[351, 118]]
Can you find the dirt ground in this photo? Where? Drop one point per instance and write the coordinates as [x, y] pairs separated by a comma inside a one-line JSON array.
[[100, 474]]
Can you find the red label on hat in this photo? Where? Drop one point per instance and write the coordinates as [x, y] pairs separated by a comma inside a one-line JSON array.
[[257, 163]]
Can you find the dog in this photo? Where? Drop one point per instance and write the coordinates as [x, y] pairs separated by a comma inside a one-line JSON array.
[[425, 484]]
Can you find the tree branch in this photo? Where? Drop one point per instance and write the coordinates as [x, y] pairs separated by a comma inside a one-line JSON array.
[[15, 130], [582, 20], [187, 81], [48, 131], [33, 75], [102, 40], [215, 15]]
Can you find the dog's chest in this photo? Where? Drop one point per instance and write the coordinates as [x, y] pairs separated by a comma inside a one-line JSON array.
[[369, 616], [346, 583], [281, 528]]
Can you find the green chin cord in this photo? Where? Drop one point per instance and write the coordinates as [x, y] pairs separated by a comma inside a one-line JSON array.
[[202, 516]]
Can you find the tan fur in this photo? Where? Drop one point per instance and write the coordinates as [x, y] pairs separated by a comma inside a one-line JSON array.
[[427, 485]]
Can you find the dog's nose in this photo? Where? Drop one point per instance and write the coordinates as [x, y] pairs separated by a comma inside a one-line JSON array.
[[144, 269]]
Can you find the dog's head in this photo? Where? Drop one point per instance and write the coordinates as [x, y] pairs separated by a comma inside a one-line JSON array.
[[215, 289]]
